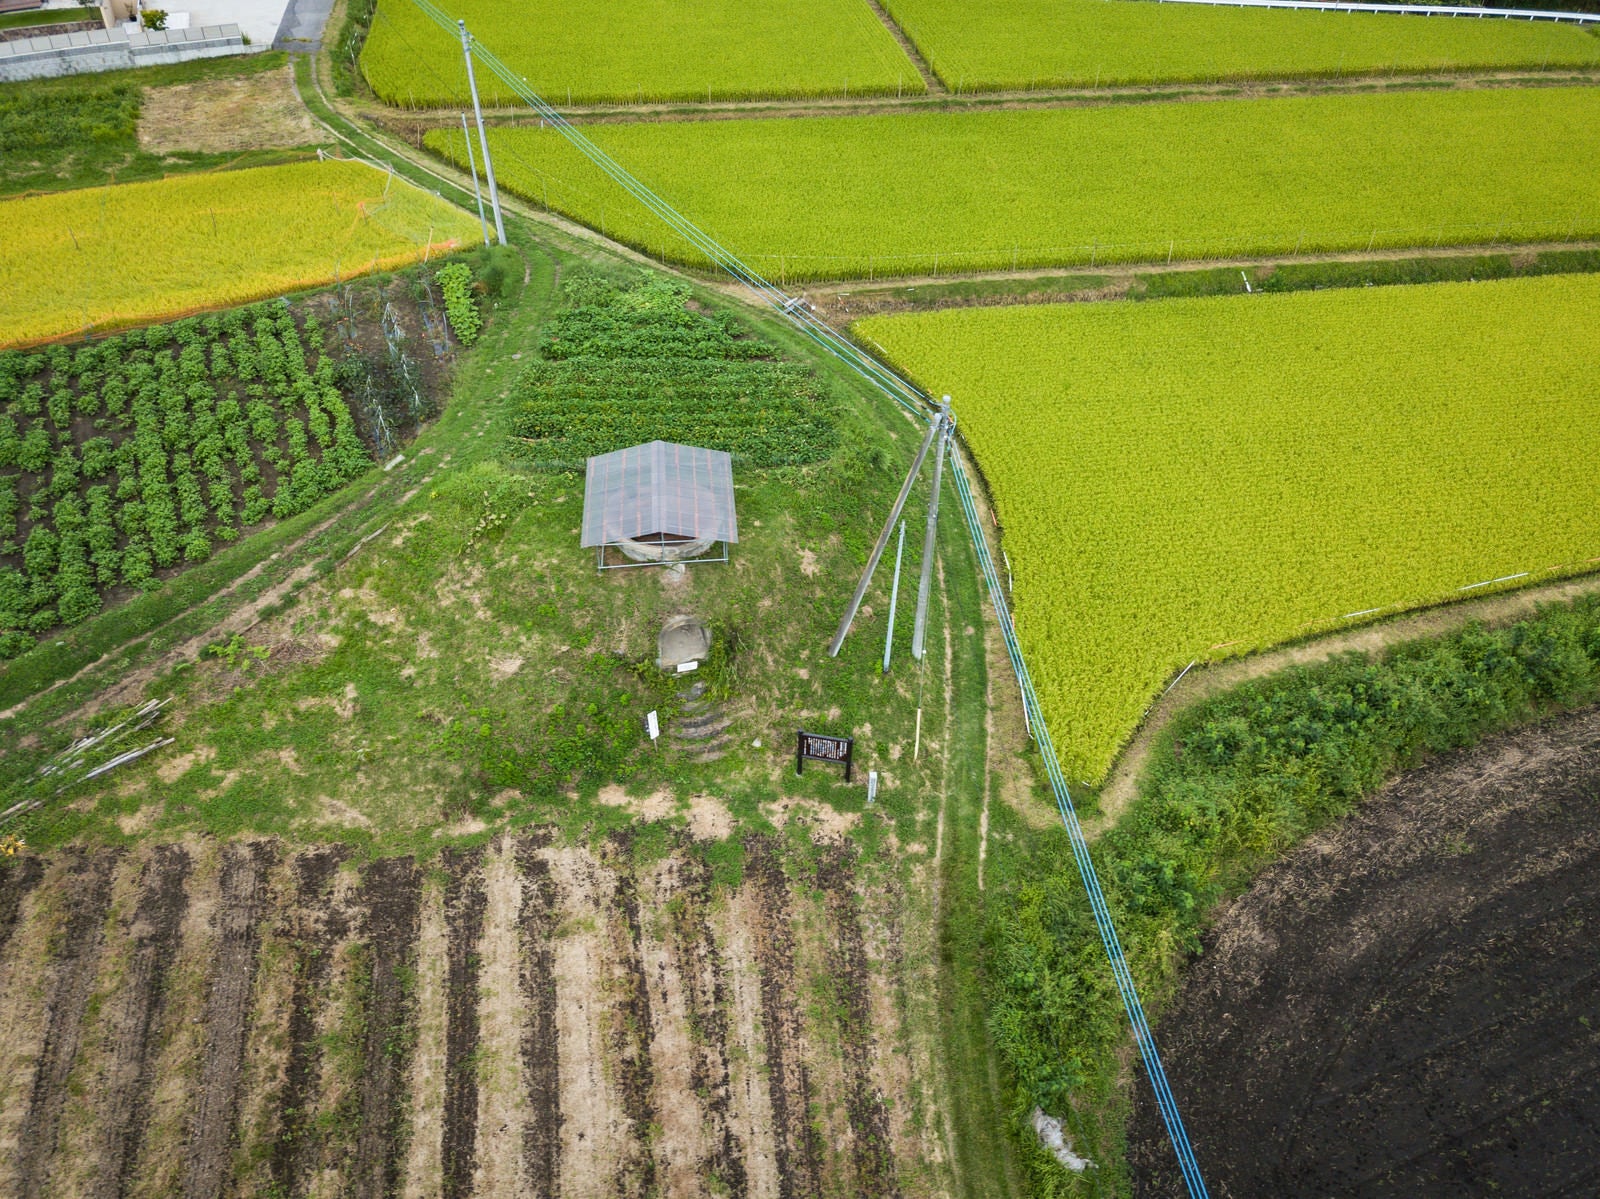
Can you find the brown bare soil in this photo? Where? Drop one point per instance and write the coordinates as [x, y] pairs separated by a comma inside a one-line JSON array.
[[1406, 1005], [531, 1018], [217, 116]]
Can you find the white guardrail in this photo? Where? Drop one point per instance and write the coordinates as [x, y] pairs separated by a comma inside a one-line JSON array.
[[1416, 10]]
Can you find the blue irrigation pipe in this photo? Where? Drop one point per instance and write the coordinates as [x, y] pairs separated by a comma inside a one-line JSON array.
[[912, 398]]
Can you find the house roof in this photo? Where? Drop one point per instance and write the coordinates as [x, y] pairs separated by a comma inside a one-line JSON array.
[[660, 487]]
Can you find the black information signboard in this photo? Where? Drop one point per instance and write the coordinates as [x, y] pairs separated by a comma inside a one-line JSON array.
[[822, 748]]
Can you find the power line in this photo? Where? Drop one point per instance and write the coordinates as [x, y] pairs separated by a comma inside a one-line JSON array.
[[909, 396]]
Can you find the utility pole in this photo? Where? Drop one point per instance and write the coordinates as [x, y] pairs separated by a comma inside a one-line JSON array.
[[483, 138], [472, 169], [894, 598], [919, 630]]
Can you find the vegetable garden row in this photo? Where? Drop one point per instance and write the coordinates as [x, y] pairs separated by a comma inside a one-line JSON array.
[[630, 363], [124, 457]]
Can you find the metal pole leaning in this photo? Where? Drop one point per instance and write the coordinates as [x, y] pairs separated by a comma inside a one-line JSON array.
[[894, 598], [472, 169], [483, 138], [919, 630], [883, 543]]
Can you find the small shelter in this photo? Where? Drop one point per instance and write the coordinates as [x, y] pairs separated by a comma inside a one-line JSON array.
[[659, 504]]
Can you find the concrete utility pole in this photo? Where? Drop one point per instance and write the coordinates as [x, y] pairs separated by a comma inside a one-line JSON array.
[[919, 630], [472, 169], [882, 543], [483, 138]]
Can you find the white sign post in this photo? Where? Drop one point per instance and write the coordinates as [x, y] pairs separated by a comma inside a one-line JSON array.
[[872, 786], [652, 724]]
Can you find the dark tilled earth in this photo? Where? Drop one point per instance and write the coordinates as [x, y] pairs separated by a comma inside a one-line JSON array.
[[1409, 1004]]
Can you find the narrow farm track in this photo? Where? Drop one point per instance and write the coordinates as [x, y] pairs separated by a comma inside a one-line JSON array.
[[408, 123], [229, 1019]]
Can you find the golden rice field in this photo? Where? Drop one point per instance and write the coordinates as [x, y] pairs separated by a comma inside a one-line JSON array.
[[1188, 479], [111, 256]]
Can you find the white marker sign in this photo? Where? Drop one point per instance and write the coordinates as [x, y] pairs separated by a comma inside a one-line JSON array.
[[652, 725]]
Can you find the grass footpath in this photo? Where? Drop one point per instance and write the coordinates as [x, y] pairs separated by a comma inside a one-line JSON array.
[[1236, 781], [1017, 44], [1346, 457], [931, 193]]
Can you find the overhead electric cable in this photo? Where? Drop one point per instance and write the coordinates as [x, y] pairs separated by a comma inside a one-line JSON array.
[[914, 399]]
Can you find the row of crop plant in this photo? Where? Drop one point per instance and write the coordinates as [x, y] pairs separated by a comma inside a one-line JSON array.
[[124, 457]]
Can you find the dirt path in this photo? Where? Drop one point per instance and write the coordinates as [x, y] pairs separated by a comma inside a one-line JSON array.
[[541, 1060], [1122, 782], [129, 1025], [464, 905], [68, 992], [409, 123], [245, 871], [843, 301], [750, 1114], [499, 1050], [424, 1169]]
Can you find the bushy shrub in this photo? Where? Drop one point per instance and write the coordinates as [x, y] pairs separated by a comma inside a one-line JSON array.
[[459, 306]]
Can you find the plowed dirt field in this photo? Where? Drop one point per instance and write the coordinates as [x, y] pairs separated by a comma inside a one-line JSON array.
[[1407, 1005], [203, 1018]]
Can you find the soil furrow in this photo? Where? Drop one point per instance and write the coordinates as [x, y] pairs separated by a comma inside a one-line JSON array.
[[796, 1144], [464, 905], [128, 1081], [872, 1150], [87, 893], [177, 1035], [706, 998], [392, 896], [636, 1175], [541, 1061], [16, 883], [236, 927], [318, 926]]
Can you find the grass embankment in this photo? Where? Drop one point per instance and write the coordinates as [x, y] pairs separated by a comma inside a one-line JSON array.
[[73, 132], [223, 239], [876, 196], [466, 671], [581, 52], [1237, 780], [1016, 44], [1347, 456]]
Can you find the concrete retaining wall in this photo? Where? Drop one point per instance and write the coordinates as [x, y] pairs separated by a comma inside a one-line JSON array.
[[115, 50]]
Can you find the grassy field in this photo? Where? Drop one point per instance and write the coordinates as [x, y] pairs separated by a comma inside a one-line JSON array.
[[581, 52], [59, 134], [853, 197], [1189, 479], [84, 259], [1051, 43]]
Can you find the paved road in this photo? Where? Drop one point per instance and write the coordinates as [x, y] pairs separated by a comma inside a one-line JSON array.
[[302, 25]]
